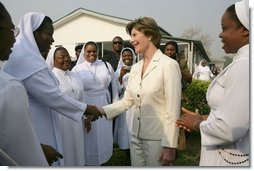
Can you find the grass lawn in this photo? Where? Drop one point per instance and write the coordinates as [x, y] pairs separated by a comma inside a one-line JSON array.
[[188, 157]]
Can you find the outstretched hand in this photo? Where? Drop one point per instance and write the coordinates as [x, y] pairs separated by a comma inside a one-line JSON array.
[[92, 112]]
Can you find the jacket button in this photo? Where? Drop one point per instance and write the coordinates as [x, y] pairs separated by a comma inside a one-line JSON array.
[[138, 95], [138, 118]]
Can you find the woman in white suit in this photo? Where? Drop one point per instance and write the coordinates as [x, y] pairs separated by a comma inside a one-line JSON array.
[[154, 89], [225, 133]]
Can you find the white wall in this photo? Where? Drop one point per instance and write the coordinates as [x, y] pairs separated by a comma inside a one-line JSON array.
[[85, 28]]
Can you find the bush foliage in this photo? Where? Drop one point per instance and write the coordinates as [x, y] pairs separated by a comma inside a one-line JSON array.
[[196, 96]]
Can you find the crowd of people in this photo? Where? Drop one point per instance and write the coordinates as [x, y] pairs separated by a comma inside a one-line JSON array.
[[62, 111]]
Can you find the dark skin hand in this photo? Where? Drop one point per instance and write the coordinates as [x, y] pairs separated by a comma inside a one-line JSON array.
[[92, 112], [122, 73], [190, 120], [88, 123], [51, 154]]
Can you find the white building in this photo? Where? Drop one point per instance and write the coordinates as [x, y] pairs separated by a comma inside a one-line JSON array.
[[84, 25]]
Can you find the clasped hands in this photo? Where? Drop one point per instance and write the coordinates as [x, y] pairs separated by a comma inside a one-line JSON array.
[[92, 113], [189, 120]]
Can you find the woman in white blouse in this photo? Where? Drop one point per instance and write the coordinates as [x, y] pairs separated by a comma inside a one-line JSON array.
[[70, 84], [96, 78]]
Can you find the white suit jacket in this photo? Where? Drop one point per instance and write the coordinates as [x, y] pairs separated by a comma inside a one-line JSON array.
[[156, 97]]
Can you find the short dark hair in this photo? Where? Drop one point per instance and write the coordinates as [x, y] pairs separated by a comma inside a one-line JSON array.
[[232, 13], [79, 47], [44, 23], [173, 43], [2, 11], [92, 43], [60, 48], [117, 37]]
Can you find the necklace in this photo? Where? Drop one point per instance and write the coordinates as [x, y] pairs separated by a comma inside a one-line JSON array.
[[241, 157], [93, 73]]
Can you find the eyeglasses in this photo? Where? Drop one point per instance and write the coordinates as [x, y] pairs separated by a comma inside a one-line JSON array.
[[120, 43], [15, 30]]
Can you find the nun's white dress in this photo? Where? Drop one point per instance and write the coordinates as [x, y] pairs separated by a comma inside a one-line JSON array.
[[225, 135], [123, 122], [96, 79], [19, 144], [203, 72], [45, 98], [72, 132]]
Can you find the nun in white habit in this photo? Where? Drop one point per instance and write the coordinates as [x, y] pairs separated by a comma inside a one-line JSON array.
[[203, 71], [225, 134], [17, 136], [28, 65], [96, 78], [69, 83], [123, 123]]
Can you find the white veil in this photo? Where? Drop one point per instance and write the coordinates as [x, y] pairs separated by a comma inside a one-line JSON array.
[[26, 59]]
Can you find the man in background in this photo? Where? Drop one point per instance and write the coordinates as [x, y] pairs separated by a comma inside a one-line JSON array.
[[113, 56], [78, 49]]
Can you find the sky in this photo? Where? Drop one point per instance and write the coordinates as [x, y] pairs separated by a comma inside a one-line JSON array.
[[174, 16]]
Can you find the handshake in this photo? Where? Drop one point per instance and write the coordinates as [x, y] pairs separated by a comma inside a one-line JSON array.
[[92, 113]]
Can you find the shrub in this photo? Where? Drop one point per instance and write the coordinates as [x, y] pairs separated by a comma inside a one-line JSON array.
[[196, 96]]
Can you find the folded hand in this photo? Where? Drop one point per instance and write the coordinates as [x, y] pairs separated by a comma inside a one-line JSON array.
[[188, 121]]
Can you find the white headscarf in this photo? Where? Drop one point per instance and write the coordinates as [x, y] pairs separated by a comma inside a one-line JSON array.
[[26, 59], [120, 63], [200, 63], [242, 12], [50, 58], [82, 57]]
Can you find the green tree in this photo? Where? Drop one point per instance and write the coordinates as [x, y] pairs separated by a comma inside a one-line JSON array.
[[196, 96], [195, 33]]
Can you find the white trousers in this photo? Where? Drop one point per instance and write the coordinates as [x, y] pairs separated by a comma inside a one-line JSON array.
[[145, 152]]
